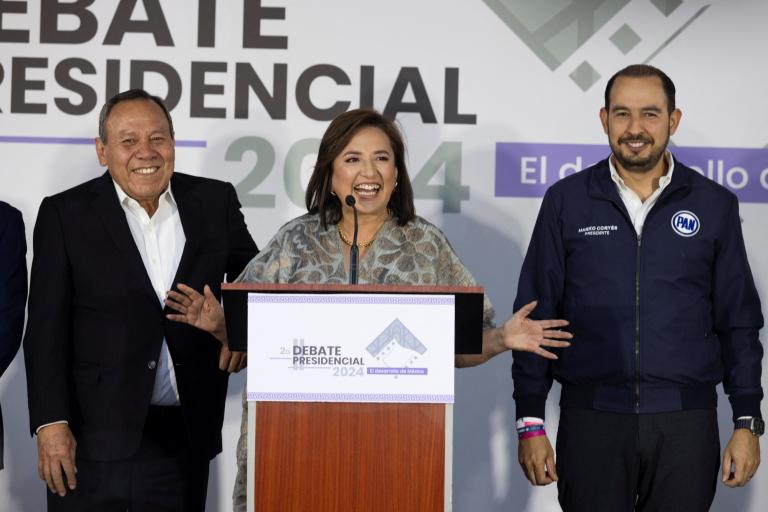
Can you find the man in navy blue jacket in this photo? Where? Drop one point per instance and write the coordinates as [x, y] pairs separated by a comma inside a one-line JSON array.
[[645, 258], [13, 289]]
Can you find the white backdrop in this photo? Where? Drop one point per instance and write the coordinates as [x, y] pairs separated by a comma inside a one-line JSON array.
[[493, 71]]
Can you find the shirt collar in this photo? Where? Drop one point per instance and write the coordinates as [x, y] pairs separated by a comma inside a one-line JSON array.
[[663, 180], [127, 200]]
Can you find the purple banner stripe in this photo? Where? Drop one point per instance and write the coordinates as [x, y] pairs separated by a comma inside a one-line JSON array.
[[349, 397], [277, 298], [384, 370], [528, 169], [191, 144], [45, 140], [82, 141]]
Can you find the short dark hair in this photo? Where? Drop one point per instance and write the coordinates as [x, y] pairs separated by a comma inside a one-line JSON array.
[[336, 137], [132, 94], [643, 71]]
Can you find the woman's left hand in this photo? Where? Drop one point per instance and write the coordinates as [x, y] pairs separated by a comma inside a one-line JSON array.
[[521, 333]]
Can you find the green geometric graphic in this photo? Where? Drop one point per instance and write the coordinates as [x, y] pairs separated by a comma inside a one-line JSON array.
[[585, 76], [625, 39], [555, 29], [666, 7]]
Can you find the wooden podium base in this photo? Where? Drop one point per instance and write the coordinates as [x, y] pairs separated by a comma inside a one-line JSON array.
[[340, 457]]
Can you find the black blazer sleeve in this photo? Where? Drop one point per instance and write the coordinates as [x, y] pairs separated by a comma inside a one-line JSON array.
[[48, 336], [13, 283]]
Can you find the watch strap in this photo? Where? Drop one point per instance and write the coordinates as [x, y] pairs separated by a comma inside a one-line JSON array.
[[754, 425]]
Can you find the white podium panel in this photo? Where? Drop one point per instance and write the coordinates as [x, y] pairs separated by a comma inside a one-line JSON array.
[[350, 347]]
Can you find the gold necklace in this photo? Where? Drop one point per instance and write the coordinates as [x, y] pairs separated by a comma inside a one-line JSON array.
[[349, 242]]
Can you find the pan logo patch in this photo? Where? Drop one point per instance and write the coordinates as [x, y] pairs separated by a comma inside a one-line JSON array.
[[685, 223]]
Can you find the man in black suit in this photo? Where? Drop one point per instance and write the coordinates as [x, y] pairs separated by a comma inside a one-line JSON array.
[[13, 289], [126, 404]]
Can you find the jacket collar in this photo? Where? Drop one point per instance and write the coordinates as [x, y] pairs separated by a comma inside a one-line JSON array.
[[107, 206], [601, 186], [191, 208]]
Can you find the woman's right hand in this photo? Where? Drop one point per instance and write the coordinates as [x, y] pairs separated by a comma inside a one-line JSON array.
[[204, 311], [198, 310]]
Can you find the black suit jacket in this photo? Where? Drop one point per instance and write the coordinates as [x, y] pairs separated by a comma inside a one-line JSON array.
[[13, 289], [96, 326]]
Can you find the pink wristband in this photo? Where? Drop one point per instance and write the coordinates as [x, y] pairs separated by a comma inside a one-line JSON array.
[[529, 435]]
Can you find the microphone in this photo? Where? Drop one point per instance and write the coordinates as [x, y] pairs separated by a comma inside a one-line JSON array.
[[353, 251]]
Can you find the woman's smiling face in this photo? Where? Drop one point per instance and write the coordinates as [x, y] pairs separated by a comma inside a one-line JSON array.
[[365, 168]]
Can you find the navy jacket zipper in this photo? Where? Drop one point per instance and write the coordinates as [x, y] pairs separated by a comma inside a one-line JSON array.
[[637, 325], [638, 238]]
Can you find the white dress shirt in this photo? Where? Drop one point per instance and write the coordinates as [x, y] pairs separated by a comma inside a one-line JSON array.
[[160, 240], [636, 207]]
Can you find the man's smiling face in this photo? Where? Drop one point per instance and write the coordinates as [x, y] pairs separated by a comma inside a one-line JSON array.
[[139, 151]]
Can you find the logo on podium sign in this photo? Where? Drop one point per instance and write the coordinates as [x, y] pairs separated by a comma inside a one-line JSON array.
[[398, 349]]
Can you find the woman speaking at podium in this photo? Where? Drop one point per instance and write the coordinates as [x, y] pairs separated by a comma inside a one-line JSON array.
[[361, 227]]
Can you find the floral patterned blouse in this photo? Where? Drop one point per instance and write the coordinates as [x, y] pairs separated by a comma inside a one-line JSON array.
[[302, 252]]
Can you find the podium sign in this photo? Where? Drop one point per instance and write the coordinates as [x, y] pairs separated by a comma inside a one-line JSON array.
[[363, 347]]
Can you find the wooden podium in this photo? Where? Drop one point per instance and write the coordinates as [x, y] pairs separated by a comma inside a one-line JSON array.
[[351, 456]]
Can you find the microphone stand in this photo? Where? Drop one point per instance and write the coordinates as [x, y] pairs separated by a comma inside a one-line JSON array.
[[353, 251]]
